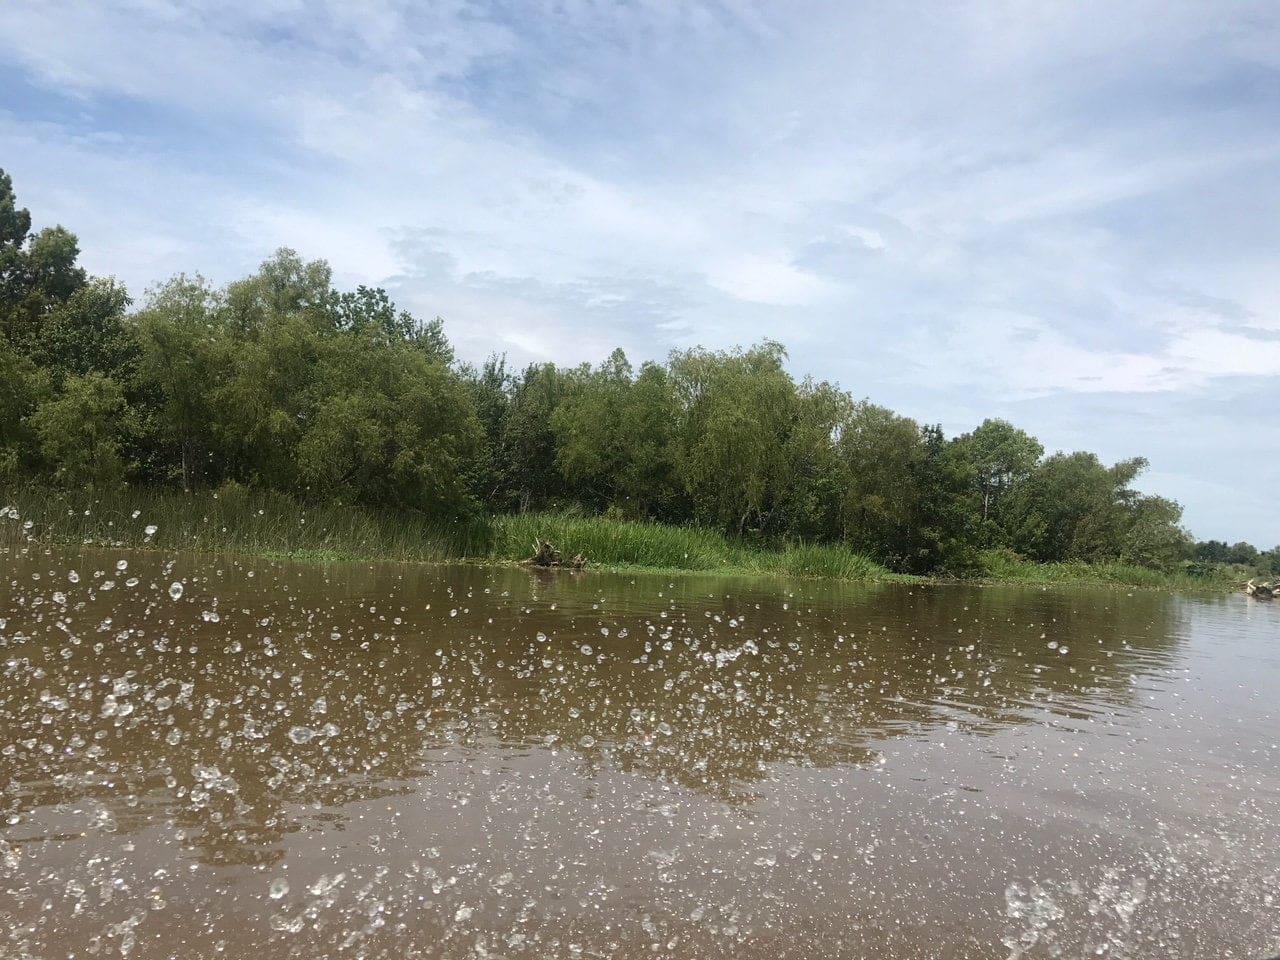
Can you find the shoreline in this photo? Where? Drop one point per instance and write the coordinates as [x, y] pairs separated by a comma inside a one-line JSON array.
[[274, 527], [1172, 585]]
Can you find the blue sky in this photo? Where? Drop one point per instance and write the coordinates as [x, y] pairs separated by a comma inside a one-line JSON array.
[[1065, 214]]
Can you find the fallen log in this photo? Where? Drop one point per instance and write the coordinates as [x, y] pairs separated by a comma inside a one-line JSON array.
[[1263, 591], [546, 555]]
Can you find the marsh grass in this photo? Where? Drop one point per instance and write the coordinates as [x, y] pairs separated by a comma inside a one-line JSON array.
[[629, 543], [609, 542], [236, 519], [1007, 567], [232, 519]]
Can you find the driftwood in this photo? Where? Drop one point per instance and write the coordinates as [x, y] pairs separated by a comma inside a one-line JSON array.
[[1263, 591], [545, 554]]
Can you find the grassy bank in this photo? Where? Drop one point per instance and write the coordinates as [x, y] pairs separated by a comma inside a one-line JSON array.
[[232, 520], [622, 543], [238, 520], [1006, 567]]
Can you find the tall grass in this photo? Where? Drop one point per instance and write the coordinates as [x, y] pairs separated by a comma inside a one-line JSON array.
[[232, 519], [239, 520], [630, 543], [1003, 565], [235, 519], [613, 542], [821, 560]]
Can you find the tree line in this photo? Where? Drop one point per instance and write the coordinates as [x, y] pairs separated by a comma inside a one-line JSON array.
[[279, 381]]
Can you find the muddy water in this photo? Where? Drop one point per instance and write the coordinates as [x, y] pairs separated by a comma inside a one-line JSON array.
[[230, 758]]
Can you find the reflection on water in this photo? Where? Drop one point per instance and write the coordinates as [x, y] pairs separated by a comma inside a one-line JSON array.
[[226, 757]]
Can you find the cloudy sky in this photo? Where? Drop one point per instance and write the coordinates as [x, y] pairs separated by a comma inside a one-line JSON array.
[[1064, 214]]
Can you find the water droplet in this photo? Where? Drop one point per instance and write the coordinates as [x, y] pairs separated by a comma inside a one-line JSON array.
[[279, 887], [175, 590]]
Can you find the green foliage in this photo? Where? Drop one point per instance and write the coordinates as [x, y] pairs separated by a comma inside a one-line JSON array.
[[526, 443], [182, 365], [881, 455], [614, 436], [1153, 536], [621, 543], [387, 425], [280, 390], [22, 386], [1073, 507], [996, 457], [80, 432], [1004, 565], [86, 333], [731, 450], [236, 519]]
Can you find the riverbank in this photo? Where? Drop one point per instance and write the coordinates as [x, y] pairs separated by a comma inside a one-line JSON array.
[[237, 520]]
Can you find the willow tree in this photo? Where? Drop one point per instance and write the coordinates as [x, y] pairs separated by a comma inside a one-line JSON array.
[[614, 438], [183, 358], [731, 450], [998, 456]]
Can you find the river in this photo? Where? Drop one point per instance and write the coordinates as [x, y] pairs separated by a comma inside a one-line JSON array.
[[206, 757]]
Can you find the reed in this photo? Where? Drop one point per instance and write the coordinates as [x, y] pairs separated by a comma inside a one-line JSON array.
[[232, 519], [1007, 567], [237, 519], [609, 542]]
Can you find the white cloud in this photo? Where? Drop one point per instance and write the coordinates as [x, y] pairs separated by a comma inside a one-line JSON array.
[[967, 205]]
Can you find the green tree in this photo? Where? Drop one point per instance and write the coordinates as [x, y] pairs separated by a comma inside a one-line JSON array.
[[370, 309], [810, 501], [614, 438], [285, 287], [1072, 507], [1154, 536], [15, 225], [22, 387], [261, 405], [648, 484], [731, 451], [38, 272], [1269, 562], [80, 432], [881, 453], [182, 362], [87, 332], [527, 445], [590, 429], [943, 535], [1242, 553], [387, 425], [998, 455]]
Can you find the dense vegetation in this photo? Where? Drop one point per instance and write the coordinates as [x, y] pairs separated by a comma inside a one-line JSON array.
[[280, 384]]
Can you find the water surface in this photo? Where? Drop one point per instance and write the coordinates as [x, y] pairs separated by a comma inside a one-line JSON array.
[[235, 758]]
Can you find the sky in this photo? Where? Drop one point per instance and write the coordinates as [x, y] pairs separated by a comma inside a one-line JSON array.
[[1063, 214]]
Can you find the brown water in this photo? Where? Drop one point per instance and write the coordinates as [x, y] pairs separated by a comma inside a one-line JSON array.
[[395, 761]]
